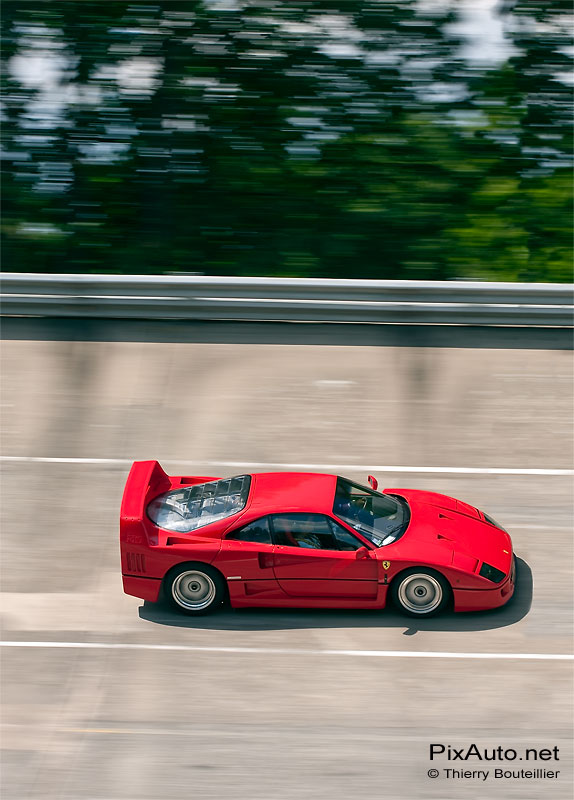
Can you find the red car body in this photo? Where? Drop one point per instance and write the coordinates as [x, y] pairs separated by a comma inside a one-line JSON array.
[[444, 535]]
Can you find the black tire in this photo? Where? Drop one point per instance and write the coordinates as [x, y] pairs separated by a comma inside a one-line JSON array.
[[420, 592], [194, 589]]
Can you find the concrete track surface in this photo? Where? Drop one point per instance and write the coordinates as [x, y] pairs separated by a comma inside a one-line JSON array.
[[263, 705]]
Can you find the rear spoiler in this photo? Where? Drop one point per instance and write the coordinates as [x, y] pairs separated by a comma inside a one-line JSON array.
[[145, 481]]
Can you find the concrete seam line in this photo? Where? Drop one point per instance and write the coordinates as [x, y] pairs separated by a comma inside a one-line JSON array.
[[291, 651], [302, 467]]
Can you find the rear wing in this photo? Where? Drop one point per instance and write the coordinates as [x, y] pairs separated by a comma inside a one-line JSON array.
[[145, 481]]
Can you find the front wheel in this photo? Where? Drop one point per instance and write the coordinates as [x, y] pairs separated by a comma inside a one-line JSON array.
[[420, 593], [195, 589]]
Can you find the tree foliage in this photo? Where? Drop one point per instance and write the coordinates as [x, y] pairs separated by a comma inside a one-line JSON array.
[[352, 138]]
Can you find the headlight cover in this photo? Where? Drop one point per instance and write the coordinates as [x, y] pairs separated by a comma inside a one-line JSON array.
[[492, 521], [491, 573]]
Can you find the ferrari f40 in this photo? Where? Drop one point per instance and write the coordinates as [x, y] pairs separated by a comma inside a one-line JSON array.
[[296, 539]]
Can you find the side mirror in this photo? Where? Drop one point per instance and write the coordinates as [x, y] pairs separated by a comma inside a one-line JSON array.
[[373, 481], [362, 552]]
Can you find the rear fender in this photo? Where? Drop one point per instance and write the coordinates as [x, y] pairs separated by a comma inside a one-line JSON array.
[[141, 554]]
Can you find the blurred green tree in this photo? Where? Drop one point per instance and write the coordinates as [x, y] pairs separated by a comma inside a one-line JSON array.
[[352, 138]]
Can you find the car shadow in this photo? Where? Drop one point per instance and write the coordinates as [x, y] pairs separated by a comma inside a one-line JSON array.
[[275, 619]]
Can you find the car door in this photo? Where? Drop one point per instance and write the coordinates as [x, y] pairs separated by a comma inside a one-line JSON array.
[[314, 556], [246, 557]]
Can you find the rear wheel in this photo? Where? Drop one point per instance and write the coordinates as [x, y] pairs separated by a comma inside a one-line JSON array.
[[420, 592], [195, 589]]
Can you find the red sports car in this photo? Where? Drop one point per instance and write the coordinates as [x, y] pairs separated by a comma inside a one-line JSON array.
[[299, 539]]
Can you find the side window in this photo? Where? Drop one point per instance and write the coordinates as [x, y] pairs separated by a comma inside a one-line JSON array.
[[345, 539], [310, 531], [257, 531]]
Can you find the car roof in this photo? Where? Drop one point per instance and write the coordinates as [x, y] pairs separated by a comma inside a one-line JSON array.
[[290, 491]]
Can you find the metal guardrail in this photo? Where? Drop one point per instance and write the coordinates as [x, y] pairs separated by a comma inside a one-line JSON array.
[[291, 299]]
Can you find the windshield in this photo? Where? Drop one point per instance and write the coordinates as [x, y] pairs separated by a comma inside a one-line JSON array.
[[379, 517]]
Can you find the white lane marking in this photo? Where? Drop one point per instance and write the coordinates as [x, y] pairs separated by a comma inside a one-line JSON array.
[[548, 527], [225, 732], [239, 729], [334, 383], [529, 375], [292, 651], [301, 467], [46, 460]]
